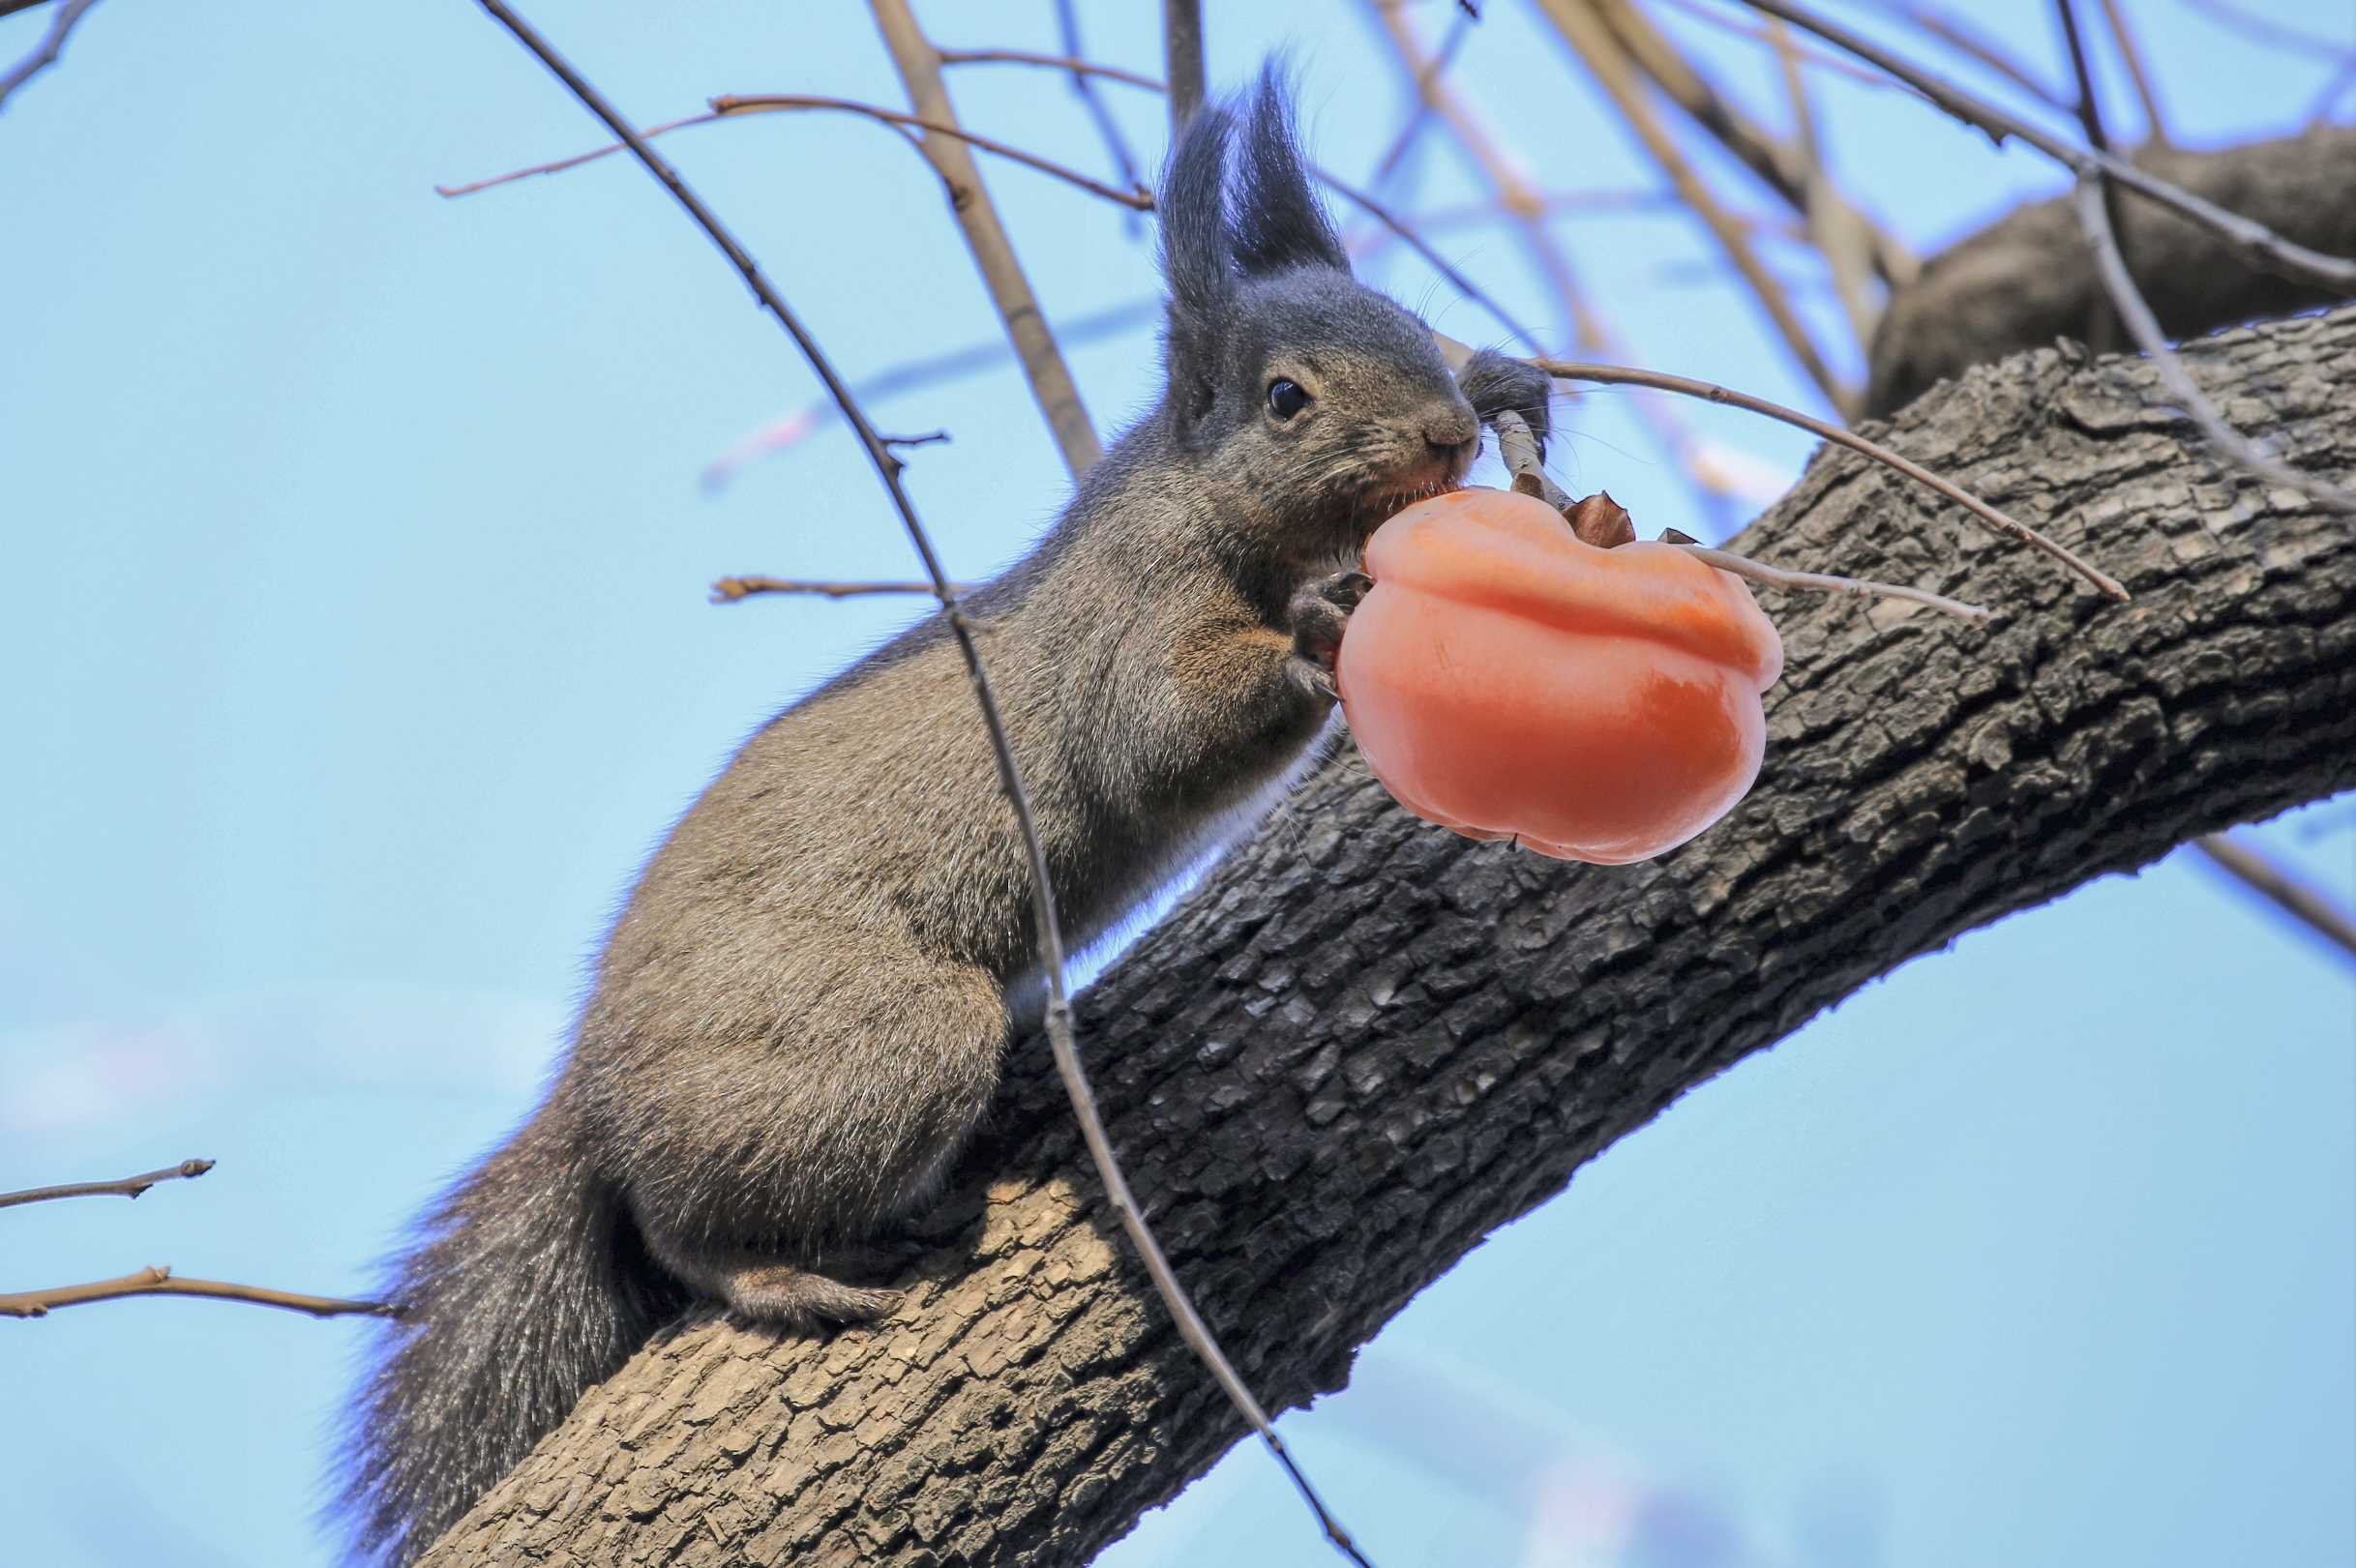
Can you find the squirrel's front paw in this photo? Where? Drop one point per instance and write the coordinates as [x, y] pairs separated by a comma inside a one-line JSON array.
[[1320, 613]]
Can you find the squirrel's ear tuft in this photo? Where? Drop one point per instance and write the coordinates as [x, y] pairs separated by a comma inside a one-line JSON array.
[[1278, 223], [1193, 211]]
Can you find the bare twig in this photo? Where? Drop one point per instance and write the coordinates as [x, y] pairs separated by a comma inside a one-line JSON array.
[[1415, 242], [44, 53], [1833, 227], [780, 434], [943, 125], [2102, 329], [127, 1187], [1584, 30], [2155, 123], [1514, 191], [1058, 1009], [2263, 245], [1760, 34], [1960, 35], [1621, 375], [734, 105], [1018, 307], [1518, 448], [1059, 62], [1182, 60], [1767, 156], [2300, 900], [2135, 313], [162, 1281], [728, 590], [1084, 84], [2267, 31], [1743, 566]]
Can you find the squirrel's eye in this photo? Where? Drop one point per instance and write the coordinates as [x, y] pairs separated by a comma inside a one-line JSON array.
[[1286, 399]]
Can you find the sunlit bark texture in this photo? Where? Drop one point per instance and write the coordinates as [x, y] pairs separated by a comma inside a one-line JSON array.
[[1363, 1043]]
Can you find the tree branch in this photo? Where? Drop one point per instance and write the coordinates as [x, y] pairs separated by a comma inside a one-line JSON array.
[[162, 1281], [1362, 1043], [2144, 328], [1018, 307], [2301, 902], [728, 590], [1621, 375], [2269, 248], [127, 1187], [1589, 37], [44, 53]]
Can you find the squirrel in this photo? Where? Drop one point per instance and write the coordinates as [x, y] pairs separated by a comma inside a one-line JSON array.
[[798, 1015]]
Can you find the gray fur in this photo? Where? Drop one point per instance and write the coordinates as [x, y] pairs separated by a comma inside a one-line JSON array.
[[798, 1017]]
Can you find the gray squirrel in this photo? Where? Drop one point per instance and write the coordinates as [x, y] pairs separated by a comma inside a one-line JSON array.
[[798, 1017]]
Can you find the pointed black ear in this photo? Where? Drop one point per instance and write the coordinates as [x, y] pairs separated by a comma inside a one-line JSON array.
[[1278, 223], [1193, 211], [1195, 264]]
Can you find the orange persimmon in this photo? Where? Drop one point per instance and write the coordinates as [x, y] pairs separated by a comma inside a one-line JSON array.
[[1504, 678]]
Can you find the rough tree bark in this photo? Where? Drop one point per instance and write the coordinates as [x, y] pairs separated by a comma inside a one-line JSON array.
[[2028, 278], [1363, 1043]]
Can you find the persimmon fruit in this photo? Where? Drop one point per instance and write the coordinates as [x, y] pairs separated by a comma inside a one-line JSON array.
[[1504, 678]]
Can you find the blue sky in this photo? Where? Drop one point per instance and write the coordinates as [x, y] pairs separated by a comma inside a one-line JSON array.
[[357, 653]]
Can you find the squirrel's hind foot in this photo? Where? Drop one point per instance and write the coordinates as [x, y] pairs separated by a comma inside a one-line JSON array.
[[795, 1298]]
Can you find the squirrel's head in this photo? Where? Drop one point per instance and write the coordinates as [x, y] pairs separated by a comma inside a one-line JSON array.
[[1323, 402]]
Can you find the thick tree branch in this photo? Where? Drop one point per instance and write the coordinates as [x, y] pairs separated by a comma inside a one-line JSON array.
[[2029, 278], [1363, 1041]]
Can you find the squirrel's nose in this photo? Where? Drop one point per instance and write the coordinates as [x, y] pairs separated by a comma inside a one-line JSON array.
[[1450, 432]]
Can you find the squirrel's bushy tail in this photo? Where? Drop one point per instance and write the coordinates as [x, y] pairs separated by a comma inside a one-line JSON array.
[[526, 1286]]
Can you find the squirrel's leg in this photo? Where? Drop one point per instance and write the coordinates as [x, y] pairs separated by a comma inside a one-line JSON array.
[[788, 1087], [766, 1290]]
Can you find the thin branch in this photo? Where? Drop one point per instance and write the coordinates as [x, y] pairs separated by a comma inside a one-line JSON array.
[[1182, 62], [2270, 250], [945, 126], [735, 106], [2261, 873], [1059, 62], [1743, 566], [127, 1187], [1518, 448], [1058, 1009], [2266, 30], [1514, 191], [994, 258], [1623, 377], [1585, 30], [1764, 155], [1761, 36], [1960, 35], [2142, 326], [728, 590], [44, 53], [2102, 329], [1420, 114], [1833, 225], [162, 1281], [2155, 123], [782, 433], [1084, 84], [1415, 242]]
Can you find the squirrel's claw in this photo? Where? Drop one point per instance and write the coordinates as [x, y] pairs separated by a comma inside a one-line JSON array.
[[1320, 613]]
